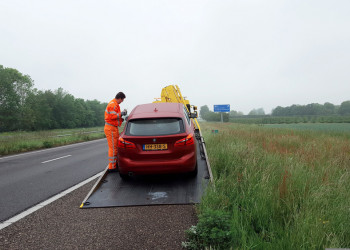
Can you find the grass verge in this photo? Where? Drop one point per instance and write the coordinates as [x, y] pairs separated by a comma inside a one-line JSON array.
[[335, 128], [279, 188], [17, 142]]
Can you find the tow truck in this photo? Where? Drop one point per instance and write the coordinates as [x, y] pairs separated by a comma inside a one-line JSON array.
[[111, 191]]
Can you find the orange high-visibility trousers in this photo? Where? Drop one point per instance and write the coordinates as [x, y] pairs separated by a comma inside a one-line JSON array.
[[112, 135]]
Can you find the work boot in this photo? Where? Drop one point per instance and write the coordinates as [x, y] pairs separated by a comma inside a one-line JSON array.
[[114, 170]]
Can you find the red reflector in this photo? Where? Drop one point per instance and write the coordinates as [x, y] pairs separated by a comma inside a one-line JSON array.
[[185, 141], [125, 144]]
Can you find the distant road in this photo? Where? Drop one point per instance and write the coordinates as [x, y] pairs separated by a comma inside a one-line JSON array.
[[29, 178]]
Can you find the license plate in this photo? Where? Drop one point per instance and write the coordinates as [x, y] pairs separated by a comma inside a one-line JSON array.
[[155, 146]]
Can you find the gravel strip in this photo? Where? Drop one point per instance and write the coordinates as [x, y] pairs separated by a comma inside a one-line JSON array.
[[62, 225]]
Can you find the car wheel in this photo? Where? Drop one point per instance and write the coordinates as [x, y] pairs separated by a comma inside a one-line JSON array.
[[125, 177], [193, 173]]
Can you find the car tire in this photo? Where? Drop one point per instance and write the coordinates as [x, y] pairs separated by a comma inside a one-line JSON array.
[[193, 173], [125, 177]]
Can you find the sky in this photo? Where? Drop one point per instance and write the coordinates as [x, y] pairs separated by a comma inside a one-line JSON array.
[[247, 53]]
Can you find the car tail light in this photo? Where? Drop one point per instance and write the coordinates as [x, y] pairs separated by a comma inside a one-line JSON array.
[[185, 141], [125, 144]]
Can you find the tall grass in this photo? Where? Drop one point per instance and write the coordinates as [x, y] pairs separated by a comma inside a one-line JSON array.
[[341, 128], [16, 142], [283, 189]]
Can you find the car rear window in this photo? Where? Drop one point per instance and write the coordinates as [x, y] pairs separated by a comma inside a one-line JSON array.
[[159, 126]]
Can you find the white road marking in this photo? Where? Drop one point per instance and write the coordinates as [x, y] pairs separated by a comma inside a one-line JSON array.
[[44, 203], [57, 158]]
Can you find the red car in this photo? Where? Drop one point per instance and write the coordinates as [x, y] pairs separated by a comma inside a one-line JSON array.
[[158, 138]]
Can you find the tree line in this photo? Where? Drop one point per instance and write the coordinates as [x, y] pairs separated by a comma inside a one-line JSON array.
[[313, 112], [23, 107], [313, 109]]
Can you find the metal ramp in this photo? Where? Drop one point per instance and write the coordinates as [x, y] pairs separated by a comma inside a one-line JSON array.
[[111, 191]]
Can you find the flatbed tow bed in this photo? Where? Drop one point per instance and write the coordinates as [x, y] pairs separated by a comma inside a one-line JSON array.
[[111, 191]]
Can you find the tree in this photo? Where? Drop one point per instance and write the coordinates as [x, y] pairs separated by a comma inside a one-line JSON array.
[[329, 108], [204, 110], [97, 112], [278, 111], [14, 89], [38, 112], [344, 108], [234, 113], [64, 109], [259, 111], [81, 112]]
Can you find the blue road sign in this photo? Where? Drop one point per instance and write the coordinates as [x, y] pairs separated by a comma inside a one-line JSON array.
[[222, 108]]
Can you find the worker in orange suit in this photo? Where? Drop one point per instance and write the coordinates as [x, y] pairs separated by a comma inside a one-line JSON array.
[[113, 120]]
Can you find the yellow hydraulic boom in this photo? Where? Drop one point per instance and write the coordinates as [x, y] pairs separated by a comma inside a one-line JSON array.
[[172, 93]]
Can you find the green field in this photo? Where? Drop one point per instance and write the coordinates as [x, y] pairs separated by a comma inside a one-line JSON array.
[[328, 127], [17, 142], [275, 188]]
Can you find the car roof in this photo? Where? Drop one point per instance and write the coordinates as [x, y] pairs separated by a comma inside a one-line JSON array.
[[153, 110]]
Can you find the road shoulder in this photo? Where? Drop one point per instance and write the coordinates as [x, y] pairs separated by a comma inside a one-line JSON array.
[[62, 225]]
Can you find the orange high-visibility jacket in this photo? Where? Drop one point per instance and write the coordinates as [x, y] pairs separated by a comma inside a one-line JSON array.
[[113, 116]]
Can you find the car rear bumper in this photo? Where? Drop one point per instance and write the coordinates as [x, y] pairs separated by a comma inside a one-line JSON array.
[[184, 164]]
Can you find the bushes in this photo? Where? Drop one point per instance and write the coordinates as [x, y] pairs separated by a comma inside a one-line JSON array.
[[213, 230], [215, 117], [47, 144]]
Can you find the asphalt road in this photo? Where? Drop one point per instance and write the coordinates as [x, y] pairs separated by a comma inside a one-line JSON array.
[[63, 225], [30, 178]]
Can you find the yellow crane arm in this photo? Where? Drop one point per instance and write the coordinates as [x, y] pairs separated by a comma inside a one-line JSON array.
[[172, 93]]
